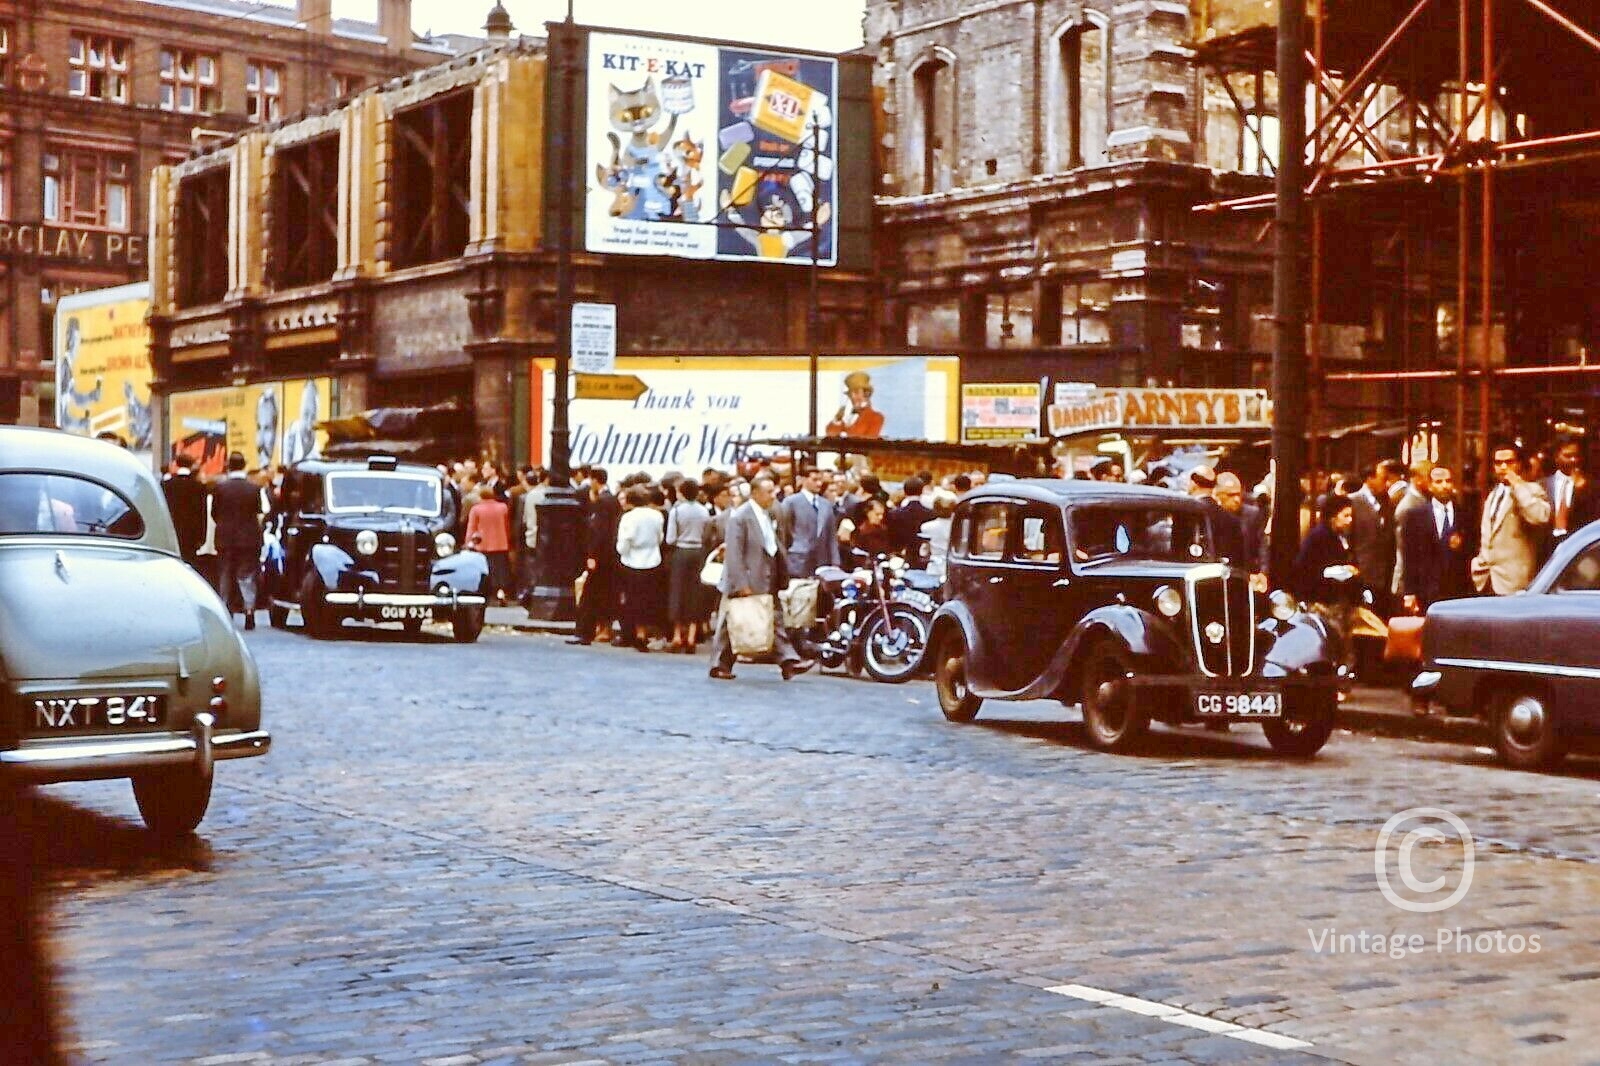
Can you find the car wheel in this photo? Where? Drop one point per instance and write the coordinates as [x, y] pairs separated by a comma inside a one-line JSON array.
[[172, 802], [1525, 731], [1110, 717], [1301, 736], [467, 624], [277, 617], [320, 623], [892, 652], [956, 699]]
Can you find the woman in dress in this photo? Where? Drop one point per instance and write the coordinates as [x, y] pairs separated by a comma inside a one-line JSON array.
[[688, 530], [489, 531], [639, 551]]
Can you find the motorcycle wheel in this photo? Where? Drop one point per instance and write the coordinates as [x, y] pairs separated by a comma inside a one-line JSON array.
[[892, 651]]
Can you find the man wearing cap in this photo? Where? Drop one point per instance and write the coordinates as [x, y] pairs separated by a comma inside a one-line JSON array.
[[858, 419]]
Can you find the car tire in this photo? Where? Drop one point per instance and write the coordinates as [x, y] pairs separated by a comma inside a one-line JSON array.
[[1300, 736], [956, 698], [1111, 721], [318, 622], [172, 802], [904, 624], [1525, 730], [466, 624], [277, 617]]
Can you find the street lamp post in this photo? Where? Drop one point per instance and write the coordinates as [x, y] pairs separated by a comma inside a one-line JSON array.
[[560, 512], [813, 308]]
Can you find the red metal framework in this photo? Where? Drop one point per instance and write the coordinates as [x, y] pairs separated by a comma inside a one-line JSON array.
[[1432, 68]]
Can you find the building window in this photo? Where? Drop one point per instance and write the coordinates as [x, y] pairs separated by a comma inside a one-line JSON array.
[[433, 151], [189, 82], [87, 188], [305, 213], [97, 67], [1086, 312], [936, 124], [5, 181], [345, 84], [1082, 115], [200, 238], [5, 54], [263, 91], [1009, 319], [1206, 310]]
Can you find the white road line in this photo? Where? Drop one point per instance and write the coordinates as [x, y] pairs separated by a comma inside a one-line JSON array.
[[1166, 1013]]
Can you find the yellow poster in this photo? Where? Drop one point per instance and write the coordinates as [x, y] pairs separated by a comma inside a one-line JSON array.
[[102, 358], [269, 423]]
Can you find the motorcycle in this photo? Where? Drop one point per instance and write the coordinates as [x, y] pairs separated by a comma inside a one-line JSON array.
[[878, 621]]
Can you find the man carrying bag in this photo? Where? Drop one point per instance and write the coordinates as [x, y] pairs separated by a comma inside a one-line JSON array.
[[753, 571]]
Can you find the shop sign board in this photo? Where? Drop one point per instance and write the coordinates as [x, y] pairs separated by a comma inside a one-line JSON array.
[[1087, 410]]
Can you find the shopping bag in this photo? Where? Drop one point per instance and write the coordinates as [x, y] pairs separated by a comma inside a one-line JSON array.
[[1404, 644], [799, 603], [750, 624], [1366, 623], [578, 586], [711, 572]]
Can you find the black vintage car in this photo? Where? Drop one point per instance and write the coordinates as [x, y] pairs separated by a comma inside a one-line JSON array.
[[373, 540], [1109, 596], [1527, 665]]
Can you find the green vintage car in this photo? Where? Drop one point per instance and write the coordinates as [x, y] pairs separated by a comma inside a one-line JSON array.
[[117, 660]]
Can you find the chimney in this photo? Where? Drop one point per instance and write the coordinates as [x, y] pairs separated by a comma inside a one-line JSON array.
[[498, 26], [394, 24], [316, 16]]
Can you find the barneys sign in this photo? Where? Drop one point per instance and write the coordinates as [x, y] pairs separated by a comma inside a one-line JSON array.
[[45, 241]]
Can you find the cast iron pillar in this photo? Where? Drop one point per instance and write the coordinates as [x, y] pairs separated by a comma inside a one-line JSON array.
[[1289, 295]]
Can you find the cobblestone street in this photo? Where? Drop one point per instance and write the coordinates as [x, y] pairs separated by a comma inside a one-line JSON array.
[[529, 852]]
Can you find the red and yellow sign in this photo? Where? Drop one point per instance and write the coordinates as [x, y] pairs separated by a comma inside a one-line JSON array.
[[269, 423], [1090, 409], [102, 359]]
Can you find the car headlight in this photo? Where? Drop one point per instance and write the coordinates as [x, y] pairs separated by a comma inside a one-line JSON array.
[[1283, 605], [444, 544], [367, 542], [1169, 601]]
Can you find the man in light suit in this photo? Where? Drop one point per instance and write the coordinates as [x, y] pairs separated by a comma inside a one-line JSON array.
[[810, 526], [752, 565], [1515, 517], [1572, 497]]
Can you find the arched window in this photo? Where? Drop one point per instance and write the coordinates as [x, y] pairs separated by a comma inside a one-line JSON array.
[[934, 146], [1080, 116]]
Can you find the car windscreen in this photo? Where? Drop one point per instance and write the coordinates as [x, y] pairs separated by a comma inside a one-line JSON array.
[[64, 504], [1162, 534], [390, 493]]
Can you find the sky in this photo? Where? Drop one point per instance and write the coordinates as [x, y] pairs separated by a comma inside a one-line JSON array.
[[822, 25]]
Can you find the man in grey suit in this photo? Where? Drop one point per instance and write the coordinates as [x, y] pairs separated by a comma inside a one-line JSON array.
[[753, 564], [810, 526], [1372, 539]]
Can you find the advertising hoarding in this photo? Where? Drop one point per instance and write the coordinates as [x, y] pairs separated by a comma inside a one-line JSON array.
[[102, 359], [270, 422], [1086, 409], [999, 412], [695, 407], [704, 151]]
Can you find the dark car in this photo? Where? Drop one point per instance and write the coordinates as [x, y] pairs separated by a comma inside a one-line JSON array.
[[117, 660], [1110, 596], [1527, 665], [373, 540]]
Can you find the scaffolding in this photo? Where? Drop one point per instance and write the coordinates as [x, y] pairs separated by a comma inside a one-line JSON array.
[[1441, 133]]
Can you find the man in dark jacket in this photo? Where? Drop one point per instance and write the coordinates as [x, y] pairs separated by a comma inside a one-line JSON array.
[[237, 507], [1223, 505], [186, 499], [597, 607], [1436, 548], [906, 521]]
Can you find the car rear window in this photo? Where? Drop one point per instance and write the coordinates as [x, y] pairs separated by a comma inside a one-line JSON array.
[[64, 504]]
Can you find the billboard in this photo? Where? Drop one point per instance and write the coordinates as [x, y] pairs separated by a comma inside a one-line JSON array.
[[1001, 412], [102, 360], [270, 422], [1085, 408], [704, 151], [695, 407]]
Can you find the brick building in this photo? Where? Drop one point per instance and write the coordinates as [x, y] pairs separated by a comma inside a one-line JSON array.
[[96, 94], [1041, 161]]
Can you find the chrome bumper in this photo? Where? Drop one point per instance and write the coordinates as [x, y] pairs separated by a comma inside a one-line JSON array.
[[401, 599], [92, 758]]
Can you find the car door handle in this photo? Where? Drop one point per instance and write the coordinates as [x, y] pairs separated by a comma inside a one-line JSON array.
[[1062, 583], [996, 580]]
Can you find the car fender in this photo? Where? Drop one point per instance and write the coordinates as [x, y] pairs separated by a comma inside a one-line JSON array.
[[463, 571], [956, 615], [1293, 645], [331, 563], [1147, 639]]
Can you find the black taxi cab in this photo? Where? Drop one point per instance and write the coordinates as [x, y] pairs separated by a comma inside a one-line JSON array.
[[1111, 597], [373, 540]]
